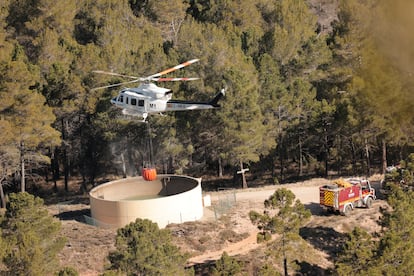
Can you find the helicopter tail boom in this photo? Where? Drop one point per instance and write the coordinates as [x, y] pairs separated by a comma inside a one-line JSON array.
[[177, 105]]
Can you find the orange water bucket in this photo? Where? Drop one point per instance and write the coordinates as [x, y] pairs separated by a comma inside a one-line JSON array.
[[149, 174]]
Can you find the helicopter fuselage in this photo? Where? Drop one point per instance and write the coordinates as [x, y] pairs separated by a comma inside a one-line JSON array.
[[149, 98]]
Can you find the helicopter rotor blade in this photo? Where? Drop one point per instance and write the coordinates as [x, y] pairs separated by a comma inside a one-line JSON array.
[[172, 69], [115, 84], [175, 79], [116, 74]]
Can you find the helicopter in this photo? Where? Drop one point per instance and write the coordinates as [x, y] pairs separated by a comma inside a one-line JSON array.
[[148, 98]]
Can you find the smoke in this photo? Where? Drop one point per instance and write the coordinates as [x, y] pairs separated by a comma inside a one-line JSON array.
[[392, 23], [391, 28]]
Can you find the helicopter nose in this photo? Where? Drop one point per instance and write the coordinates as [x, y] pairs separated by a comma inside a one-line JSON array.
[[113, 100]]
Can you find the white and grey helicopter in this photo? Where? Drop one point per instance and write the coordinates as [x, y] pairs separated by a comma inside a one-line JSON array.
[[148, 98]]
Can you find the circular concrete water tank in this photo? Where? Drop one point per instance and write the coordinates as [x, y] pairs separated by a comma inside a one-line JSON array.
[[168, 199]]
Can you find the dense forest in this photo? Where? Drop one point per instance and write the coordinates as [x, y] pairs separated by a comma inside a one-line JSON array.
[[304, 96]]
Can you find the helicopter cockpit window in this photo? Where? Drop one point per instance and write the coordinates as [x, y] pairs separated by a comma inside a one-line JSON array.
[[141, 103], [121, 99], [133, 101]]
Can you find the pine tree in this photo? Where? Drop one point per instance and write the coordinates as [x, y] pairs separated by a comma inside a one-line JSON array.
[[373, 78], [55, 51], [391, 254], [322, 128], [268, 270], [9, 154], [357, 255], [396, 246], [239, 121], [289, 217], [290, 64], [167, 16], [290, 25], [226, 266], [32, 236], [143, 248], [271, 88], [241, 118], [24, 108], [3, 250]]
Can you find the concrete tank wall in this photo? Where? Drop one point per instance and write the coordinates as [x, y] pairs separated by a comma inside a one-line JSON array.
[[168, 199]]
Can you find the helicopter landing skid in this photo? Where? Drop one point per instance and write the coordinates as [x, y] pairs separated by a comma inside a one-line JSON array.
[[127, 117]]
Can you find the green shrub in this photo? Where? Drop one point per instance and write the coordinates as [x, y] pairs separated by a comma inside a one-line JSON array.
[[144, 249], [67, 271], [226, 265]]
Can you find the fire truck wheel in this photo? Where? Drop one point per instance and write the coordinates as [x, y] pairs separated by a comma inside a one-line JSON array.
[[330, 210], [347, 210], [369, 202]]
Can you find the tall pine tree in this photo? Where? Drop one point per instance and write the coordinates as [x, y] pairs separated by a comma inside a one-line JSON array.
[[31, 234]]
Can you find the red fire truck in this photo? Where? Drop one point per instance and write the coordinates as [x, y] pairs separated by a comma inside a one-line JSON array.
[[344, 195]]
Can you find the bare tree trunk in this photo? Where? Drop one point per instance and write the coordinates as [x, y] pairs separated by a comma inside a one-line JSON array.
[[165, 166], [23, 174], [300, 158], [124, 173], [281, 160], [273, 164], [66, 169], [367, 156], [2, 198], [285, 267], [337, 155], [384, 156], [351, 142], [326, 152], [54, 165], [171, 165], [220, 167], [65, 157]]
